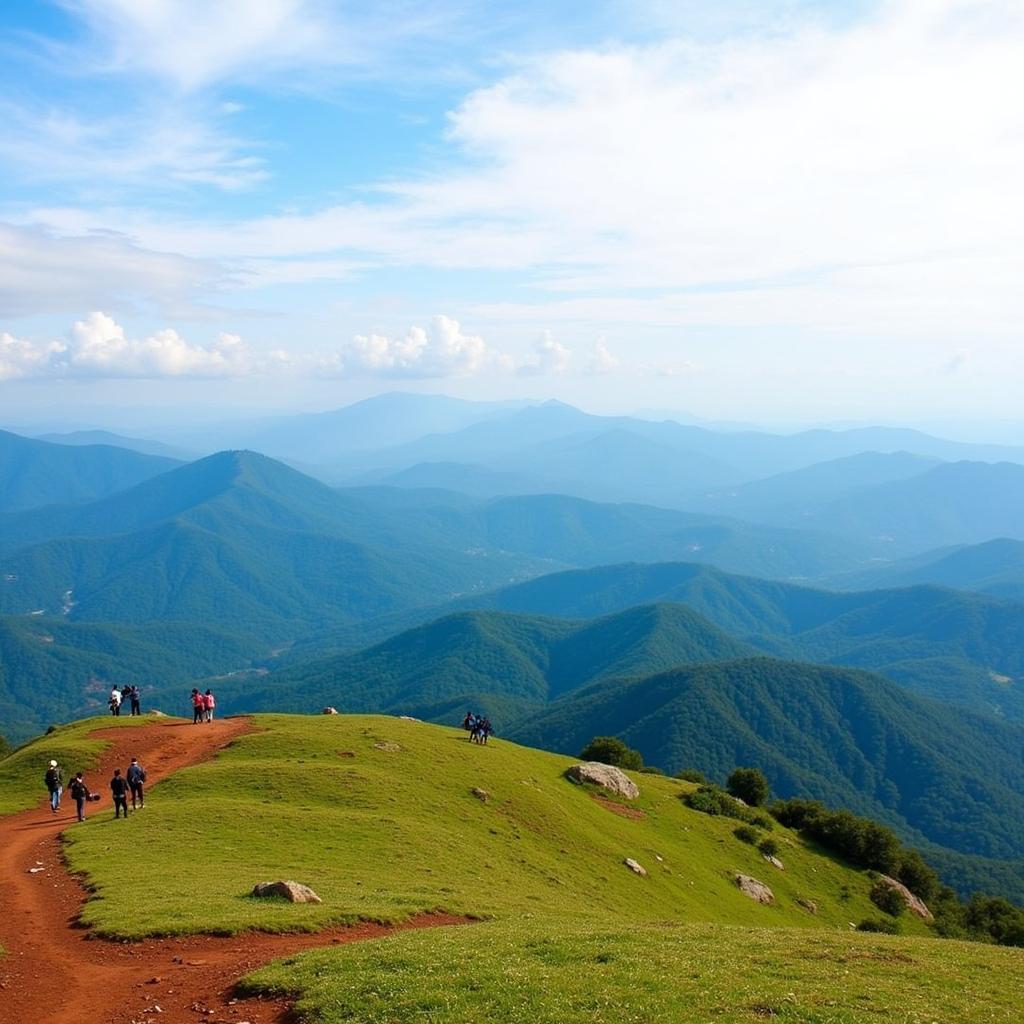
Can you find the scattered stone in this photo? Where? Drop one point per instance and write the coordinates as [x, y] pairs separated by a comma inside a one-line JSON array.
[[480, 794], [329, 711], [605, 775], [914, 903], [409, 718], [755, 889], [389, 745], [153, 981], [294, 892], [35, 871], [809, 905], [156, 714], [774, 861], [635, 867]]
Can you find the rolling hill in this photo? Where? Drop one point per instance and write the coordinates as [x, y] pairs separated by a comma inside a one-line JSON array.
[[489, 659], [995, 567], [36, 473], [960, 647], [52, 670], [845, 737]]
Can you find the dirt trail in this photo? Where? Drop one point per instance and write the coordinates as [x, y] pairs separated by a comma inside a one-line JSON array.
[[54, 973]]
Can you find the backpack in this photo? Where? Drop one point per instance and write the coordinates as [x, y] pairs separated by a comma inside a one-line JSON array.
[[52, 778]]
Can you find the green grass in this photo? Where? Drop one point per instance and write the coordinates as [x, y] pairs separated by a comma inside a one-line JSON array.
[[547, 972], [384, 834], [21, 773]]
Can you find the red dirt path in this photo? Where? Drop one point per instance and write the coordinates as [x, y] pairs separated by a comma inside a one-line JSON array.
[[55, 973]]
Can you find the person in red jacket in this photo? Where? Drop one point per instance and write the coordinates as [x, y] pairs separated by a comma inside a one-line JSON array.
[[198, 706], [208, 705]]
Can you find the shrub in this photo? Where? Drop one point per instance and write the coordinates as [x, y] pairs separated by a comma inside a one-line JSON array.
[[746, 834], [887, 899], [995, 920], [749, 785], [769, 847], [710, 799], [611, 750], [886, 927], [762, 821], [692, 775], [651, 769]]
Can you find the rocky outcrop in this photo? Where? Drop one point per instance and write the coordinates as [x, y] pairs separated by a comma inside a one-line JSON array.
[[329, 711], [755, 890], [914, 903], [774, 861], [635, 867], [293, 892], [480, 794], [605, 775]]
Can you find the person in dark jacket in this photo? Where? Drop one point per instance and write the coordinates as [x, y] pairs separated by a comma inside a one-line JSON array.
[[135, 695], [54, 785], [80, 792], [136, 777], [119, 791]]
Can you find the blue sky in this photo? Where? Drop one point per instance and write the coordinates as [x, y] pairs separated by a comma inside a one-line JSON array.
[[782, 211]]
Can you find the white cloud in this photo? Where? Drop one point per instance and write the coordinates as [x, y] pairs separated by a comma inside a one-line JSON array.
[[98, 347], [549, 356], [41, 272], [601, 359], [443, 350]]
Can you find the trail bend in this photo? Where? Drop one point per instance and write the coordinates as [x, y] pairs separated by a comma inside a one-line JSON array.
[[54, 972]]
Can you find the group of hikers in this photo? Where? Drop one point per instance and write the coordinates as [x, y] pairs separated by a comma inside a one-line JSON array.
[[132, 783], [202, 706], [129, 694], [478, 726]]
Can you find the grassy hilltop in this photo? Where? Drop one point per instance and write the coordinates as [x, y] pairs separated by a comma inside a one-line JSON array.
[[378, 814]]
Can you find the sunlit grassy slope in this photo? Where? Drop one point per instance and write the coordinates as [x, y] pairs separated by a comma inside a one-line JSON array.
[[552, 972], [21, 774], [378, 815]]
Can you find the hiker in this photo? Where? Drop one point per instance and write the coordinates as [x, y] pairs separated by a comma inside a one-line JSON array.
[[136, 777], [485, 730], [119, 789], [54, 786], [208, 705], [198, 706], [80, 792], [135, 695], [115, 702], [467, 722]]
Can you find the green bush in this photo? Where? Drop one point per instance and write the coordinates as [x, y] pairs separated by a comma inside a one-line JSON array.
[[994, 919], [710, 799], [885, 926], [887, 899], [651, 769], [749, 785], [769, 847], [746, 834], [692, 775], [762, 821], [611, 750]]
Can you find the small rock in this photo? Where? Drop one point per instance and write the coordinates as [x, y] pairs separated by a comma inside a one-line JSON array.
[[605, 775], [388, 745], [809, 905], [409, 718], [480, 794], [294, 892], [635, 867], [755, 889], [35, 871], [329, 711], [153, 981], [774, 861], [157, 714]]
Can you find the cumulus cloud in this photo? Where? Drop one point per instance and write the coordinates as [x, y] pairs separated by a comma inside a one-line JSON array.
[[601, 360], [549, 356], [442, 350], [98, 347]]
